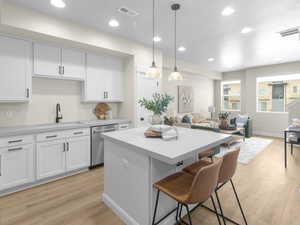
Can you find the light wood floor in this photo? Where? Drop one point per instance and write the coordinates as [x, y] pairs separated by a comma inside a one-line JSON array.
[[268, 192]]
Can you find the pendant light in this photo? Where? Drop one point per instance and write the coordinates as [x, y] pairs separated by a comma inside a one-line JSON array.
[[153, 71], [175, 75]]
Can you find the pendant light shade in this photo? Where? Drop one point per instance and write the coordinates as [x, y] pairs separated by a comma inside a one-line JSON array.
[[153, 71], [175, 75]]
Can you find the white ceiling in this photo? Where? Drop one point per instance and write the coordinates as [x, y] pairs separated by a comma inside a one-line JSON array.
[[201, 28]]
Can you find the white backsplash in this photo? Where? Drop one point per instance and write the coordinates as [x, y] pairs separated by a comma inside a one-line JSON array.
[[46, 93]]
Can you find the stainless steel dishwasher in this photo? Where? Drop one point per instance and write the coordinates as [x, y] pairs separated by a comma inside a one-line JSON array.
[[97, 147]]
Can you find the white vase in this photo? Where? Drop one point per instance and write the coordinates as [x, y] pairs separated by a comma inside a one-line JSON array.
[[155, 119]]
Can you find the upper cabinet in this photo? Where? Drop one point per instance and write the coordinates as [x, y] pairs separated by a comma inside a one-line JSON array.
[[104, 79], [54, 62], [73, 64], [46, 60], [15, 70]]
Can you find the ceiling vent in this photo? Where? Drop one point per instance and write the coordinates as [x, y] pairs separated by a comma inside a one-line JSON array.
[[128, 12], [289, 32]]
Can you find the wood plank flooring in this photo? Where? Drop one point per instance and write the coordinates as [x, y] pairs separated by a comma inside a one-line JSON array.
[[268, 192]]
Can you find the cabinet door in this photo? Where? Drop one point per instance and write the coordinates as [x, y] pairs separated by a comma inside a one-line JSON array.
[[46, 60], [15, 75], [17, 166], [73, 63], [51, 159], [114, 79], [114, 86], [78, 153], [95, 84]]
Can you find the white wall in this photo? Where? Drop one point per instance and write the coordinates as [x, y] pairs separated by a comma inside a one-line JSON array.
[[270, 124], [203, 91]]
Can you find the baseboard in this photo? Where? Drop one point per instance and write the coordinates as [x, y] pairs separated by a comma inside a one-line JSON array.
[[268, 134], [127, 219]]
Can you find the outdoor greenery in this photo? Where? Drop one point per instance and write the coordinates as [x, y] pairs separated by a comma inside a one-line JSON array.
[[158, 104]]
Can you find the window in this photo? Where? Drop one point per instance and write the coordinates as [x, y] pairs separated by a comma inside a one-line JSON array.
[[231, 95], [275, 93]]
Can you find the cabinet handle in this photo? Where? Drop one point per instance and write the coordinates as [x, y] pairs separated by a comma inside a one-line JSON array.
[[68, 146], [104, 95], [63, 70], [179, 163], [15, 141], [51, 136], [59, 69], [64, 147], [76, 133], [15, 149], [27, 92]]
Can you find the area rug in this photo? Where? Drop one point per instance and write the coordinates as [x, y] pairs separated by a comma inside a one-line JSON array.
[[249, 149]]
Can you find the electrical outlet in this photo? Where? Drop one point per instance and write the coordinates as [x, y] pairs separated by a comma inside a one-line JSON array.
[[9, 114]]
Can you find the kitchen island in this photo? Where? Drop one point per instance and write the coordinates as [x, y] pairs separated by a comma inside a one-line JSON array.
[[133, 163]]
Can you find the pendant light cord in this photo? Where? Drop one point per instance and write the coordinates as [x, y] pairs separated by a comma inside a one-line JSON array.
[[153, 21], [175, 40]]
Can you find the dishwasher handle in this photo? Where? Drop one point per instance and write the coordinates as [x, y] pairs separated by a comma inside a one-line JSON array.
[[103, 131]]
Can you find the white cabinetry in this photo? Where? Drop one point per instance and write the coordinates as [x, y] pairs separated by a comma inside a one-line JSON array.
[[50, 158], [73, 64], [15, 70], [46, 60], [61, 152], [104, 79], [16, 163], [54, 62], [78, 154]]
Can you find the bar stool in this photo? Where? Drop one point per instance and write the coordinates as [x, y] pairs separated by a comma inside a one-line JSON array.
[[188, 189], [227, 171]]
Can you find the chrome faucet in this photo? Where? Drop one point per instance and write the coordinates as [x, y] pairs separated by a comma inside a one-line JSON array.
[[58, 113]]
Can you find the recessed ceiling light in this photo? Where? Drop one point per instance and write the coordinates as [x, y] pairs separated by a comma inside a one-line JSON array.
[[114, 23], [156, 39], [228, 11], [58, 3], [181, 49], [211, 59], [246, 30]]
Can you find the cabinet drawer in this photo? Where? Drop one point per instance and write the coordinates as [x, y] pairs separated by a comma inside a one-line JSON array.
[[124, 126], [78, 132], [13, 141], [51, 136]]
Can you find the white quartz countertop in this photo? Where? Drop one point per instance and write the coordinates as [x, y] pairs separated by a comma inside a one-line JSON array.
[[34, 129], [189, 142]]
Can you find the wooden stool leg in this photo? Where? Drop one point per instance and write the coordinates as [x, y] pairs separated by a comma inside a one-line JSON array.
[[215, 208]]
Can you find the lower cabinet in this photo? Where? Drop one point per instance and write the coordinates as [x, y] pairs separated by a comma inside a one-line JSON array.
[[51, 158], [78, 153], [17, 166], [60, 156]]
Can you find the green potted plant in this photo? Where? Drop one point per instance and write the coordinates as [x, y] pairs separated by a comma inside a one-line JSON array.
[[158, 105]]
